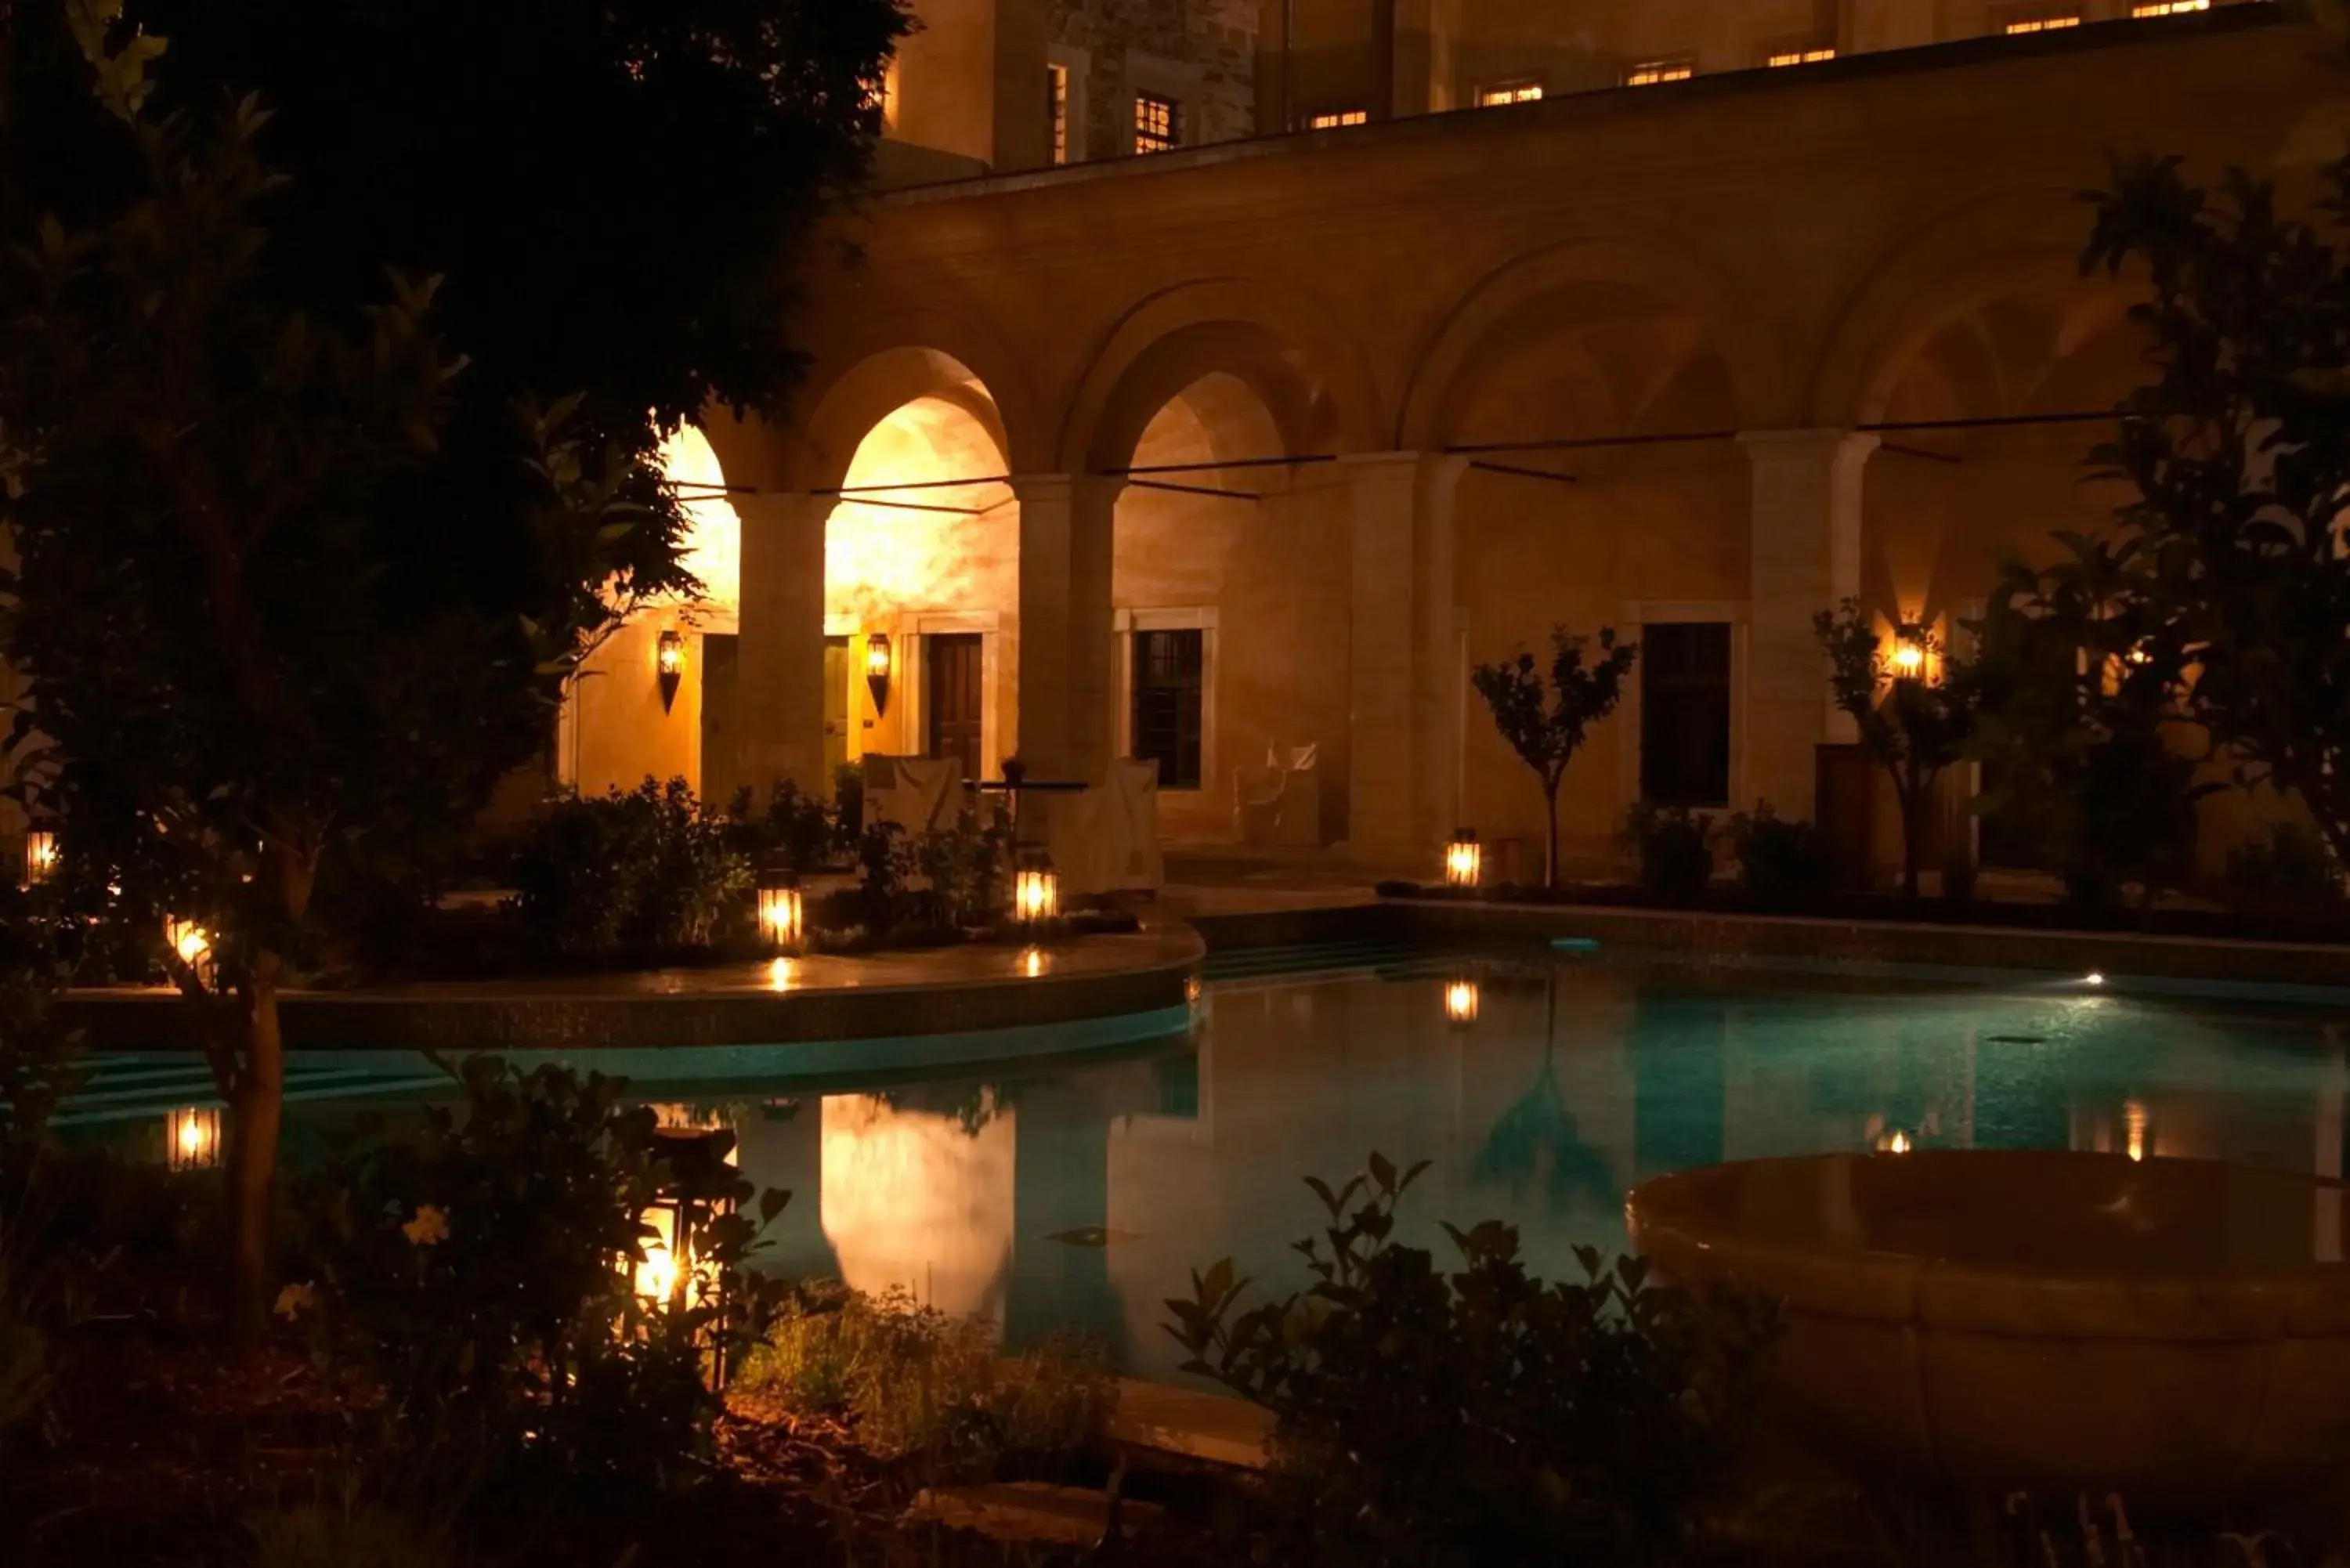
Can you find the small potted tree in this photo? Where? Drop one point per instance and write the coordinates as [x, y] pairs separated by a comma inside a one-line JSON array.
[[1546, 722], [1911, 723]]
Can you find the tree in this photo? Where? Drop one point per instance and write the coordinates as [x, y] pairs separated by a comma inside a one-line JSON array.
[[1913, 727], [1546, 728], [2239, 449], [2079, 700], [243, 679], [615, 192]]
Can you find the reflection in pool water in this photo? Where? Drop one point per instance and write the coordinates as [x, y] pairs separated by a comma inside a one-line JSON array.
[[1046, 1195]]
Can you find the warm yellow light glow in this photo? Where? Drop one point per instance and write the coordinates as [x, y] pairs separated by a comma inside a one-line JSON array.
[[1896, 1142], [1909, 658], [1778, 58], [1034, 963], [921, 1200], [2048, 24], [192, 1138], [40, 857], [2168, 7], [1650, 73], [714, 534], [1464, 860], [781, 974], [2093, 978], [190, 940], [672, 653], [883, 554], [1504, 93], [782, 914], [1037, 893], [1461, 999], [877, 656], [1330, 119], [656, 1275], [2133, 1126]]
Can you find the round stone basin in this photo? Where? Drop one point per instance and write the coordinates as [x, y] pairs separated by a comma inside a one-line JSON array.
[[2177, 1331]]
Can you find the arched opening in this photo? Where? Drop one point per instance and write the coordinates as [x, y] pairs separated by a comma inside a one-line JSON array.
[[1645, 530]]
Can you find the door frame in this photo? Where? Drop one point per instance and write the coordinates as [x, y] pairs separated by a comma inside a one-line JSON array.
[[913, 629]]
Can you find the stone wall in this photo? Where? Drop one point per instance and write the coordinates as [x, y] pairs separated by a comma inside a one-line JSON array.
[[1204, 51]]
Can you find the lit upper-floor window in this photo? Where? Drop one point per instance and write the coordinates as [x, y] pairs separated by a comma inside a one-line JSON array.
[[1056, 109], [1671, 68], [2040, 22], [2168, 7], [1158, 123], [1331, 118], [1799, 55], [1502, 93]]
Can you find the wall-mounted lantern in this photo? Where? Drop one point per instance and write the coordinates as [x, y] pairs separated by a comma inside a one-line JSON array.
[[782, 914], [1036, 892], [1908, 654], [40, 857], [192, 1138], [670, 661], [876, 670], [1464, 859]]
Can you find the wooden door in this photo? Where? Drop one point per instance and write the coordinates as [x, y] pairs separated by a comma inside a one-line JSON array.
[[952, 699]]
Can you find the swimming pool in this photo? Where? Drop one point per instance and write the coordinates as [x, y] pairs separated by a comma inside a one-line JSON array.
[[1080, 1189]]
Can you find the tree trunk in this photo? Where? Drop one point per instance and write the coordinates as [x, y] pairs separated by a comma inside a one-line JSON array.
[[1913, 813], [1550, 838], [255, 1112]]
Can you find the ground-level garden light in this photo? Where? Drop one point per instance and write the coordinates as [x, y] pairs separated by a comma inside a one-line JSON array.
[[1461, 1001], [1464, 859], [783, 914], [192, 1138], [677, 1270], [40, 857], [1036, 892], [190, 943]]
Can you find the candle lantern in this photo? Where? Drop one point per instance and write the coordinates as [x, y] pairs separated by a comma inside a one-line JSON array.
[[40, 857], [192, 1138], [876, 670], [1460, 1000], [676, 1271], [1036, 892], [670, 661], [783, 914], [1464, 859], [190, 944]]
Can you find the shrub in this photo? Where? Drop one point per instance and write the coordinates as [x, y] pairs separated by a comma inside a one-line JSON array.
[[1481, 1416], [1779, 861], [884, 861], [966, 867], [2291, 858], [619, 873], [930, 1390], [479, 1269], [796, 832], [346, 1533], [24, 1359], [1676, 860], [848, 805]]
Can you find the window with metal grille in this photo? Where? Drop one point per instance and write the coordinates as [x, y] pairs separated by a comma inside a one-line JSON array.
[[1799, 55], [2168, 7], [1331, 118], [1672, 69], [1168, 693], [1158, 122], [1056, 109], [1685, 713], [1502, 93]]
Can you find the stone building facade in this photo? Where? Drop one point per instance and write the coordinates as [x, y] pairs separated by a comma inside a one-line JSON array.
[[1201, 54], [1264, 444]]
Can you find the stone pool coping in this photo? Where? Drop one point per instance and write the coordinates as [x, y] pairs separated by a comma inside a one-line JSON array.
[[967, 991], [2322, 970]]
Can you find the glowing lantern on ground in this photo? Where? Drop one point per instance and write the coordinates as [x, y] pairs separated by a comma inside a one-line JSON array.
[[1461, 999], [192, 1139], [40, 857], [190, 943], [676, 1272], [1036, 962], [782, 915], [1464, 860], [1036, 892], [1895, 1142]]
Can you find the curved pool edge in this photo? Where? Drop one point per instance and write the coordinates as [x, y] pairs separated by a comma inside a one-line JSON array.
[[1151, 975]]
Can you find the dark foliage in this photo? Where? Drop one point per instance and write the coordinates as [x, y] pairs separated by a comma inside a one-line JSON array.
[[647, 871], [1675, 849], [1780, 862]]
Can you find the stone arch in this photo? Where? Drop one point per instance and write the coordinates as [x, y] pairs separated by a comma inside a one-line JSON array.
[[1951, 266], [1698, 308], [1310, 375]]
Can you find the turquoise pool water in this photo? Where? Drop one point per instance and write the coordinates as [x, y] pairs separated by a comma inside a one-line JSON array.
[[1053, 1189]]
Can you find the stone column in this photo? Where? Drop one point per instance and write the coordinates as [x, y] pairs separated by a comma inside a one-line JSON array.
[[780, 690], [1066, 529], [1402, 770], [1805, 557]]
